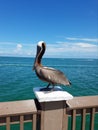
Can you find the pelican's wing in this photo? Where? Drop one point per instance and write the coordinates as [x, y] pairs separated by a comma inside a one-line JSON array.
[[54, 76]]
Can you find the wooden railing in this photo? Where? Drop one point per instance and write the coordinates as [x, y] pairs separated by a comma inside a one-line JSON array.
[[21, 112], [82, 106], [18, 112]]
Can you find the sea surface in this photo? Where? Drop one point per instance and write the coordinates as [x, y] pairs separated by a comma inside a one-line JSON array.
[[17, 79]]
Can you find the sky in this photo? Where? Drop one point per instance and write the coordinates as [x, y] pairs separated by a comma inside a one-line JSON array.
[[69, 28]]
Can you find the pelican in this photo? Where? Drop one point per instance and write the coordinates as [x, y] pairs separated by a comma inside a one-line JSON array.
[[50, 75]]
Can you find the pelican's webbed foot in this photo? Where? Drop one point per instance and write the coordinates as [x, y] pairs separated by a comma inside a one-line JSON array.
[[47, 88]]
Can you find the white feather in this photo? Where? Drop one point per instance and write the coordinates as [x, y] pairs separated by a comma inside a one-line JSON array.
[[40, 43]]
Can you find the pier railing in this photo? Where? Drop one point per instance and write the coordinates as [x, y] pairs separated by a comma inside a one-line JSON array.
[[18, 112], [82, 106], [21, 112]]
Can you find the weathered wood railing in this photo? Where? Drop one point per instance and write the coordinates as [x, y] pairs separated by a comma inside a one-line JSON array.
[[19, 112], [82, 106]]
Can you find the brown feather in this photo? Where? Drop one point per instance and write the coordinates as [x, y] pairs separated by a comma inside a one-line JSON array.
[[52, 76]]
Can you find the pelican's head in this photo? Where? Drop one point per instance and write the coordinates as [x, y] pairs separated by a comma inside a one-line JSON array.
[[40, 43], [41, 46]]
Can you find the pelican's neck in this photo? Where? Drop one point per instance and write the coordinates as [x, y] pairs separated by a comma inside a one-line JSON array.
[[40, 55]]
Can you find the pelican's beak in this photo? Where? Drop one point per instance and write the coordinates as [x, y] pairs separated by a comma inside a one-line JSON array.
[[34, 65], [38, 50], [33, 68]]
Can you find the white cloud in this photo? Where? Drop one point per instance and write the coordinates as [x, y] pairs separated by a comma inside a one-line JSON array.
[[82, 39], [70, 49], [60, 49], [18, 50], [19, 47], [77, 47], [86, 45]]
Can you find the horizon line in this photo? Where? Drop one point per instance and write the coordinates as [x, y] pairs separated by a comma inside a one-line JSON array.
[[50, 57]]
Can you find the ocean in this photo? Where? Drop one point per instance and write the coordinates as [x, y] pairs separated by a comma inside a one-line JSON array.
[[17, 79]]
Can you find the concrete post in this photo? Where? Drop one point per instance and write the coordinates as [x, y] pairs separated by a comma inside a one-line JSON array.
[[52, 105]]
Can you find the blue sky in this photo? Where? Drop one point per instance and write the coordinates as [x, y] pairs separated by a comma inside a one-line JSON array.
[[69, 27]]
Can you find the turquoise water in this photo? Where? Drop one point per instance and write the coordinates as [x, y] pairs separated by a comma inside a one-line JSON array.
[[17, 78]]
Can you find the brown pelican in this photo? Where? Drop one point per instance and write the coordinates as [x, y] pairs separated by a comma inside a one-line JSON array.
[[50, 75]]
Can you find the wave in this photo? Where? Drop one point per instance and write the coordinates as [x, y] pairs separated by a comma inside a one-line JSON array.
[[66, 66], [70, 66], [16, 65]]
